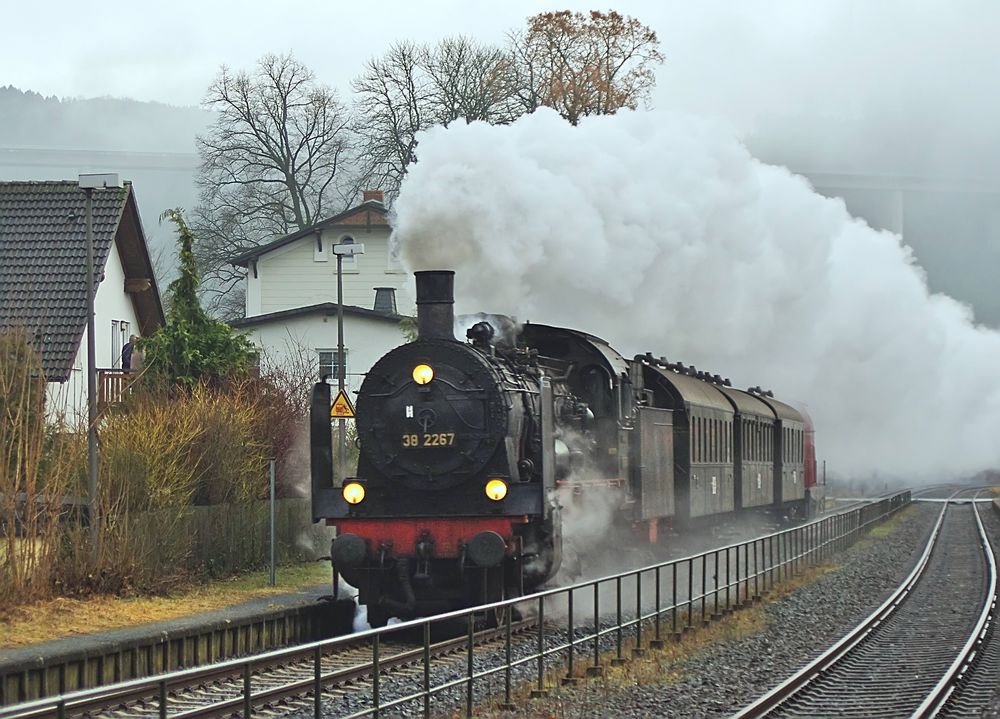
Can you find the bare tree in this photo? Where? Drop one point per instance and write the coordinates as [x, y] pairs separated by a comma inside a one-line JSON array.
[[584, 64], [275, 161], [579, 64], [393, 96], [469, 81], [411, 88]]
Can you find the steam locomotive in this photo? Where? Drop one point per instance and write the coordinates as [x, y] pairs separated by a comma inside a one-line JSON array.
[[471, 451]]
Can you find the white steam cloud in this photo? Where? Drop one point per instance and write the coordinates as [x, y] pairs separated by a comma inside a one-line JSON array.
[[661, 232]]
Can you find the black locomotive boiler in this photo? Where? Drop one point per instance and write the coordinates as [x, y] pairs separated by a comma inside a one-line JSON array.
[[468, 449]]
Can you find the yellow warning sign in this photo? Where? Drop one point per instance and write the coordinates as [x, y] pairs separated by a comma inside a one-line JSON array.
[[342, 407]]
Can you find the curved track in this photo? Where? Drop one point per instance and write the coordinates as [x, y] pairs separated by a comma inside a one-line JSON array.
[[906, 658]]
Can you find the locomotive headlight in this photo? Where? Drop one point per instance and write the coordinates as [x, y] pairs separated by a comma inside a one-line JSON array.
[[423, 373], [496, 489], [354, 492]]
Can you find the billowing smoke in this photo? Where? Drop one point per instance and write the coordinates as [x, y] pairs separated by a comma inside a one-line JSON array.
[[661, 232]]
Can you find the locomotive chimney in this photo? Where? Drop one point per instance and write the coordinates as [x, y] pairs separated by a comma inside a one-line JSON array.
[[436, 305]]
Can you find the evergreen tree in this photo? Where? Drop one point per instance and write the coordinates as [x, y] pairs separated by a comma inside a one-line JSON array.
[[192, 347]]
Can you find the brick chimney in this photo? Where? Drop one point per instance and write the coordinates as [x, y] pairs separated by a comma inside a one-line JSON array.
[[376, 195]]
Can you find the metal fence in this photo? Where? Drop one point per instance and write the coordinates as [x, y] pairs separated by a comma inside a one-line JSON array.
[[574, 627]]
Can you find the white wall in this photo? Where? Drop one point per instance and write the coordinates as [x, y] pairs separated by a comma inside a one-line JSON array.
[[110, 303], [298, 275], [294, 343]]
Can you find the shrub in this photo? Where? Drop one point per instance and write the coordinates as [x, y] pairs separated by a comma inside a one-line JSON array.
[[34, 473]]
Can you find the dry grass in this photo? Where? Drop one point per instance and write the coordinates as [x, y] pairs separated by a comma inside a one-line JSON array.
[[891, 525], [58, 618]]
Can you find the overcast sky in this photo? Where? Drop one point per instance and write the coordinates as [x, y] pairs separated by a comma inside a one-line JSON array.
[[780, 64]]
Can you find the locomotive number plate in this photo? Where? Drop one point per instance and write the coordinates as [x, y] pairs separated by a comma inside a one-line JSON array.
[[429, 439]]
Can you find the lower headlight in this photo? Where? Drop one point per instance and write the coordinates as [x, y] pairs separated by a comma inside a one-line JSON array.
[[496, 489], [354, 492]]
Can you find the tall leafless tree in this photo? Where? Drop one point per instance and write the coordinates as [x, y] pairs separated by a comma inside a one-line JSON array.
[[469, 81], [392, 102], [275, 161], [412, 87]]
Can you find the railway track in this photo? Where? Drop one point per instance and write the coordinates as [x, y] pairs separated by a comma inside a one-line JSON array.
[[908, 657], [278, 687], [370, 672]]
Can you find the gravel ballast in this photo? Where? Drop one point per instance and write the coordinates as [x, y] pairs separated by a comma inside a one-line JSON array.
[[714, 680]]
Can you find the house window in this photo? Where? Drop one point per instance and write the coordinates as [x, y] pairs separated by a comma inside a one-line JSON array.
[[350, 262], [119, 337], [328, 365], [395, 262]]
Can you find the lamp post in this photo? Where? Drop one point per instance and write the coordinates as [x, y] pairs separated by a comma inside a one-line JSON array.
[[89, 183], [347, 247]]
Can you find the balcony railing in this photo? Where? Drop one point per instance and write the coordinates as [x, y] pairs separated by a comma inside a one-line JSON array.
[[113, 385]]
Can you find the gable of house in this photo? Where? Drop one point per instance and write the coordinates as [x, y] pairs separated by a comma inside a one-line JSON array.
[[43, 264], [300, 269]]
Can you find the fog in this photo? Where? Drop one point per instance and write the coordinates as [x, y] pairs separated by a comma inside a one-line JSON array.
[[898, 87], [660, 231]]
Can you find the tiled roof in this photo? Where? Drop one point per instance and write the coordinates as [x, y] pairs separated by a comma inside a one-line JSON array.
[[327, 309], [368, 213], [43, 262]]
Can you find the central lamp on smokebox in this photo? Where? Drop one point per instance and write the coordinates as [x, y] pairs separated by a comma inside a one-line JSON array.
[[347, 247]]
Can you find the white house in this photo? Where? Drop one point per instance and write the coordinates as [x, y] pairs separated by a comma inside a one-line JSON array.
[[43, 283], [291, 294]]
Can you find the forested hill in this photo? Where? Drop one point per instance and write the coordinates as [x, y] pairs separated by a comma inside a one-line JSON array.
[[28, 119]]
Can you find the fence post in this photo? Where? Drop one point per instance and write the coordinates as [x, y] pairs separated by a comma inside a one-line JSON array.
[[272, 522]]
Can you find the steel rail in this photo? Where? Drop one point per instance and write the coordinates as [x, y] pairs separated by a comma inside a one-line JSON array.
[[939, 695], [345, 675], [816, 668], [759, 563]]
